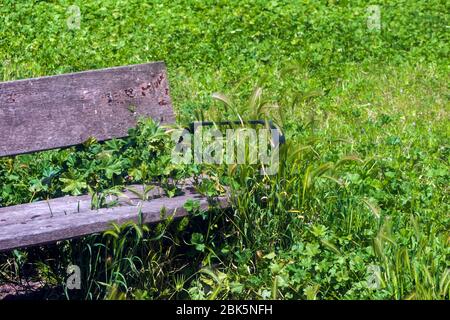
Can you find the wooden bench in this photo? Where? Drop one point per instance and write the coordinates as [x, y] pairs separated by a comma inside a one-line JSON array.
[[61, 111]]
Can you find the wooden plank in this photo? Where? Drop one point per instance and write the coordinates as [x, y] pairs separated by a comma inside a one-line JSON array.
[[69, 217], [59, 111]]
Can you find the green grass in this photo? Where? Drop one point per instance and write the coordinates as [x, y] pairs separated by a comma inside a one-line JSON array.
[[362, 192]]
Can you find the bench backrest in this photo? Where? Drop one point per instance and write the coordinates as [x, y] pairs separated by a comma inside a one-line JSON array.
[[65, 110]]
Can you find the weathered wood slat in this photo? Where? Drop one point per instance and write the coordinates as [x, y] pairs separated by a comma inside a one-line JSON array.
[[58, 111], [69, 217]]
